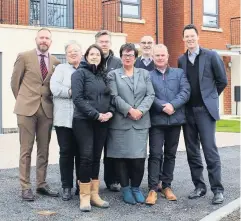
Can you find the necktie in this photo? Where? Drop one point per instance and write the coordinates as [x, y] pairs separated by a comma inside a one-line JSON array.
[[43, 67]]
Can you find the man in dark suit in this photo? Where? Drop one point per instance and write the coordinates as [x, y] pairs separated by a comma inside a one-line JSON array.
[[207, 77]]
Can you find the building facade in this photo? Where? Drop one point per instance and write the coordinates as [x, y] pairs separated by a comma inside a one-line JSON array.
[[218, 22]]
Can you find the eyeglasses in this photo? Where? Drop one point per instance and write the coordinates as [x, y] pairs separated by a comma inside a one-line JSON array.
[[128, 55], [146, 43]]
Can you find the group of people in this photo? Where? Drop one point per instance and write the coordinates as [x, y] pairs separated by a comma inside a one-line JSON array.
[[98, 101]]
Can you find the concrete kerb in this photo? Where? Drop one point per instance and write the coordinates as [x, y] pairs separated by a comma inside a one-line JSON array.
[[223, 211]]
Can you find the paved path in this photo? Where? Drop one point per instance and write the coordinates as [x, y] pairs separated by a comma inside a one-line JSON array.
[[12, 209], [9, 148], [235, 216]]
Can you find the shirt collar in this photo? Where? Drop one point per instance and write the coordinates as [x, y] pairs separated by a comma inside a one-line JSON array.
[[46, 54], [149, 59], [196, 52]]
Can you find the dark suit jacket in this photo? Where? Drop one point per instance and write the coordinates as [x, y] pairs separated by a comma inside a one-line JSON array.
[[212, 78]]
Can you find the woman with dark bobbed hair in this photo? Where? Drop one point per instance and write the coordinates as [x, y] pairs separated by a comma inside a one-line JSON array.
[[132, 96], [91, 98]]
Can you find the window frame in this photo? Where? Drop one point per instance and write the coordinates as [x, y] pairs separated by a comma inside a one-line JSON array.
[[43, 14], [61, 58], [215, 15], [128, 2]]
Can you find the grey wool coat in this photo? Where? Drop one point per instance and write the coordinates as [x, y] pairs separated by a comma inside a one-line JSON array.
[[127, 138], [125, 95]]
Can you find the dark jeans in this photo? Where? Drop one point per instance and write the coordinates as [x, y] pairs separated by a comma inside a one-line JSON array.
[[68, 154], [200, 127], [110, 170], [90, 136], [159, 136], [130, 171]]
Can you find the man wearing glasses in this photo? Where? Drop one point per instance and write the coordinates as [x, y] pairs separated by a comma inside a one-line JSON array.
[[145, 61]]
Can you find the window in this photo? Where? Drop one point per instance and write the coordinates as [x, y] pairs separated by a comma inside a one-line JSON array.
[[210, 13], [53, 13], [61, 57], [130, 8]]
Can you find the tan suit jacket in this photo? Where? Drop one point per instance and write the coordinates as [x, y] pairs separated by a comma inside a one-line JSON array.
[[28, 86]]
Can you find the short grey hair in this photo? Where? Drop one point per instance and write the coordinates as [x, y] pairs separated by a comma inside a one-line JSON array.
[[72, 42], [160, 46], [102, 32]]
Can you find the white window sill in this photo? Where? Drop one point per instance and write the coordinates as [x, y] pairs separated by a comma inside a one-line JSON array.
[[133, 20], [212, 29]]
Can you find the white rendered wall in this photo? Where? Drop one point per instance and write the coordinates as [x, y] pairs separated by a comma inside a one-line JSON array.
[[15, 39]]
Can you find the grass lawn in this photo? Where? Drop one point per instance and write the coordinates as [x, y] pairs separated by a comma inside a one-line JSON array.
[[232, 126]]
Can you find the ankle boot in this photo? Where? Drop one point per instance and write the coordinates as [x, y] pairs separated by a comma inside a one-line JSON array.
[[95, 197], [127, 195], [84, 196], [138, 194], [66, 194]]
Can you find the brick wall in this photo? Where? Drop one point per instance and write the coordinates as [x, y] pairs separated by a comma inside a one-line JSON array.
[[173, 17], [135, 31], [227, 91], [177, 15], [87, 14]]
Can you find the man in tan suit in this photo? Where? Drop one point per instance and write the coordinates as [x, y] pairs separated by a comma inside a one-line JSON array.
[[34, 109]]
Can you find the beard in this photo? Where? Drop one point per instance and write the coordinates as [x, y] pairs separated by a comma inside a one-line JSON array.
[[43, 48]]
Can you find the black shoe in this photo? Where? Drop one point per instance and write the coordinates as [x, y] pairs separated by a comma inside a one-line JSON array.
[[47, 191], [66, 194], [114, 187], [76, 191], [27, 195], [77, 188], [198, 192], [218, 198]]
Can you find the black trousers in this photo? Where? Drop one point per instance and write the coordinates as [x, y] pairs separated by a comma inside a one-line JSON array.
[[68, 154], [90, 136], [110, 170], [130, 171], [159, 160], [200, 128]]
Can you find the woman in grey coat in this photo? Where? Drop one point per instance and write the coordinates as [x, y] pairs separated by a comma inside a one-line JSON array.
[[132, 96], [60, 85]]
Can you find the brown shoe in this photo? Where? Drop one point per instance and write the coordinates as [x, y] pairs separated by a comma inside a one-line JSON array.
[[168, 194], [151, 198], [27, 195]]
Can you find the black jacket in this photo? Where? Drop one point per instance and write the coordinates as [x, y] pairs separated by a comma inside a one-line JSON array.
[[171, 87], [112, 62], [90, 94]]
